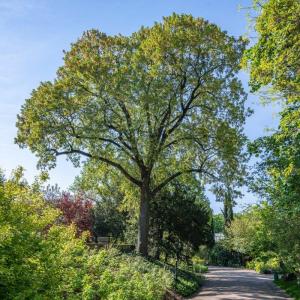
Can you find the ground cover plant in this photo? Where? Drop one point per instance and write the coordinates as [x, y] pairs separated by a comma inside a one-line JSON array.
[[290, 286]]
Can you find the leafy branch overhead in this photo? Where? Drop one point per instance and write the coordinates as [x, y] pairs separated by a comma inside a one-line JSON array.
[[133, 101]]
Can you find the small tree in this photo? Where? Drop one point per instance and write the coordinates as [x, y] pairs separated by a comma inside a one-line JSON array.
[[218, 223], [161, 103], [76, 210], [180, 221]]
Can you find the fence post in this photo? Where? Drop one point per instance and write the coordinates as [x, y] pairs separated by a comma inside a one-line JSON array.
[[176, 267]]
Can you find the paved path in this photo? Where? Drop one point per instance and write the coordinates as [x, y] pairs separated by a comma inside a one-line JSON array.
[[229, 283]]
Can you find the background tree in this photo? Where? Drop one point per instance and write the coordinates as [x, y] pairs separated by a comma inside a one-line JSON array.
[[180, 221], [111, 215], [227, 195], [161, 103], [218, 223], [108, 219], [249, 234], [227, 189]]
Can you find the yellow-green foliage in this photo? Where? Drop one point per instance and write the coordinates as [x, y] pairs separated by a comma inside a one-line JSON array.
[[198, 265], [267, 262], [36, 255], [113, 276], [274, 59], [40, 259]]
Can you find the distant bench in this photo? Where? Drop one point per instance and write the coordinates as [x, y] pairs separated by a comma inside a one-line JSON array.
[[106, 241], [100, 242]]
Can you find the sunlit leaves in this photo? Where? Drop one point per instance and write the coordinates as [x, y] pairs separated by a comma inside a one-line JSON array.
[[162, 100], [275, 58]]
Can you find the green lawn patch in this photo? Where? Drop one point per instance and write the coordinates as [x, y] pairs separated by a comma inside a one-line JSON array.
[[291, 287]]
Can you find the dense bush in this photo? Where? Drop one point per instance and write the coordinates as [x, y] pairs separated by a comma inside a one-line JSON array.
[[42, 260], [113, 276], [221, 256], [38, 259], [108, 220], [266, 263], [180, 222]]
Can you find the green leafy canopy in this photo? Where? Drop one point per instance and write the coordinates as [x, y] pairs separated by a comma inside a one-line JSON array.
[[163, 99]]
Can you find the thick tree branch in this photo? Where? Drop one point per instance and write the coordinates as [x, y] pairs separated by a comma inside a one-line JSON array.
[[177, 174], [133, 142], [103, 159], [111, 141]]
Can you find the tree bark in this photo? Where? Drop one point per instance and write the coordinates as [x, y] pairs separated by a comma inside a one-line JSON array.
[[143, 225]]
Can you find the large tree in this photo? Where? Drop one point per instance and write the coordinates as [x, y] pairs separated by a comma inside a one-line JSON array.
[[158, 104]]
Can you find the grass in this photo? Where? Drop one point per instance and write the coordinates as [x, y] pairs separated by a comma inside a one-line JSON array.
[[291, 287]]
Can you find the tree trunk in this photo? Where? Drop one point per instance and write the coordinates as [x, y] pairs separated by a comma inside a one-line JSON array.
[[143, 225], [228, 210]]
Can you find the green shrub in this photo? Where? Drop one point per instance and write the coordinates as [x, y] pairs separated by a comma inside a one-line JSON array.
[[267, 262], [198, 265], [291, 287], [42, 260], [187, 283], [115, 276], [198, 268], [38, 259]]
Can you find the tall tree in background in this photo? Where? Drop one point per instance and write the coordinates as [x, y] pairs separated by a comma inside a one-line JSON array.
[[161, 103], [227, 192], [228, 188]]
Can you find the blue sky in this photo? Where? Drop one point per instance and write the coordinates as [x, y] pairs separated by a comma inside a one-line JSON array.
[[34, 33]]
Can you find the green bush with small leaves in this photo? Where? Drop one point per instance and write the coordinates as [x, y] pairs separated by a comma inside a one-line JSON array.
[[40, 259], [267, 262], [115, 276]]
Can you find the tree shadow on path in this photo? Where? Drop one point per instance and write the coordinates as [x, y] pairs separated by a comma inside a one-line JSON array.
[[230, 283]]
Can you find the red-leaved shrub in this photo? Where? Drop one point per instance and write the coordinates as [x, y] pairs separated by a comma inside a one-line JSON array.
[[76, 210]]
